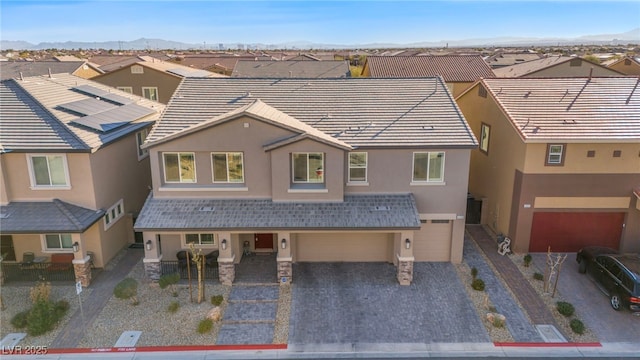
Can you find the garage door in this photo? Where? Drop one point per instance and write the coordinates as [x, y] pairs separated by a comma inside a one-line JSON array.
[[433, 241], [344, 247], [569, 231]]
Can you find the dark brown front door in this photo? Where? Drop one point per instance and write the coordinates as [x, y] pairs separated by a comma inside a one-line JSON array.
[[264, 241]]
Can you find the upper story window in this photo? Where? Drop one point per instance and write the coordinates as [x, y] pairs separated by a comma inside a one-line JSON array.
[[180, 167], [307, 167], [358, 167], [127, 89], [114, 214], [227, 167], [575, 62], [141, 136], [48, 171], [555, 154], [428, 166], [200, 239], [150, 93], [137, 69], [58, 242], [485, 132]]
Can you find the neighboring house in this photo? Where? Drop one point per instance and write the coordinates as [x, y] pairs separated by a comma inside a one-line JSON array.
[[313, 169], [626, 65], [71, 168], [152, 79], [503, 59], [292, 69], [558, 160], [556, 66], [17, 69], [458, 71], [216, 63]]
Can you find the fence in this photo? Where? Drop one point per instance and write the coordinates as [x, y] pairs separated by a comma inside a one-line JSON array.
[[36, 272], [170, 267]]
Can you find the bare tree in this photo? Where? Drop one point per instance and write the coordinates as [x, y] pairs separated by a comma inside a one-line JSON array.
[[552, 272]]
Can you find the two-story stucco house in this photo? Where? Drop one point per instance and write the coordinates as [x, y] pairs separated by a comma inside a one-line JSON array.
[[558, 160], [312, 169], [72, 172]]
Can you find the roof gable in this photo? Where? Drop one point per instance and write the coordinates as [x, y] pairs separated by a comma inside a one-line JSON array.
[[452, 68]]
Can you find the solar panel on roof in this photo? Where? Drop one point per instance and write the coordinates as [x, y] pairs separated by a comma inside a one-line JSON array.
[[88, 89], [114, 118], [89, 106]]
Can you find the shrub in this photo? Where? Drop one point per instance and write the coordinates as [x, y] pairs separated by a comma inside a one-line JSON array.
[[205, 326], [41, 291], [577, 326], [41, 318], [173, 307], [60, 308], [216, 300], [19, 320], [127, 289], [565, 308], [538, 276], [474, 273], [498, 322], [169, 280], [477, 284], [527, 260]]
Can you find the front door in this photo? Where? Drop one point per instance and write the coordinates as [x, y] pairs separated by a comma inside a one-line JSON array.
[[264, 241], [6, 248]]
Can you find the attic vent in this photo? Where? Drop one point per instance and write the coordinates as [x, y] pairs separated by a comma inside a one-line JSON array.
[[207, 208], [575, 62], [627, 62], [482, 91], [382, 208]]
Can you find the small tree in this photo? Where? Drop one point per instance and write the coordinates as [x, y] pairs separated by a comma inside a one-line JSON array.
[[169, 280], [198, 258], [127, 289]]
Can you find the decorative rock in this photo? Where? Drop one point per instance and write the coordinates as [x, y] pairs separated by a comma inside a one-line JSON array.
[[496, 319], [215, 314]]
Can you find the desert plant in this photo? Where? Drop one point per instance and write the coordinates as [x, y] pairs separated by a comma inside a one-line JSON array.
[[173, 307], [474, 273], [205, 326], [42, 291], [19, 320], [538, 276], [169, 280], [577, 326], [216, 300], [127, 289], [527, 260], [565, 308], [41, 318], [477, 284], [498, 322]]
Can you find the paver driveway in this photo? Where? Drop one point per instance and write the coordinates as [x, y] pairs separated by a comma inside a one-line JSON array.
[[363, 303]]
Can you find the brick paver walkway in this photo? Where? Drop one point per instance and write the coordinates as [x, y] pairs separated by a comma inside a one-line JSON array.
[[102, 287], [527, 296]]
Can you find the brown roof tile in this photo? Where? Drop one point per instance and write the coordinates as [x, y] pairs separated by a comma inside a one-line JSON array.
[[452, 68]]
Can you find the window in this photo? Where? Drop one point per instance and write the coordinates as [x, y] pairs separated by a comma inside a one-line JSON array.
[[227, 167], [48, 171], [484, 138], [113, 214], [58, 242], [308, 167], [575, 62], [150, 93], [180, 167], [358, 167], [127, 89], [555, 154], [137, 69], [200, 239], [428, 167], [141, 136]]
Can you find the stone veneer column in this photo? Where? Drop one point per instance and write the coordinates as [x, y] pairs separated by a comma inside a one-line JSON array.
[[405, 270], [285, 271], [153, 268], [82, 270], [226, 272]]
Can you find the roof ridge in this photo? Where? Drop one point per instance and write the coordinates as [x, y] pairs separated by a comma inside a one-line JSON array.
[[63, 208]]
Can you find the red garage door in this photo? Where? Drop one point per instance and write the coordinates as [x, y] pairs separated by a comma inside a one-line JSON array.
[[569, 231]]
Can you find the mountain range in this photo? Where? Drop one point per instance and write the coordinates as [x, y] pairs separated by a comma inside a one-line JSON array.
[[629, 37]]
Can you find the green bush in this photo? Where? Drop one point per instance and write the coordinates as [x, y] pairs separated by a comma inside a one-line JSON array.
[[173, 307], [169, 280], [498, 322], [565, 308], [577, 326], [474, 272], [205, 326], [538, 276], [19, 320], [527, 260], [42, 318], [216, 300], [477, 284], [127, 289]]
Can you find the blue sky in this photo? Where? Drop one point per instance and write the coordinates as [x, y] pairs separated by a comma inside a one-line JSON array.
[[333, 22]]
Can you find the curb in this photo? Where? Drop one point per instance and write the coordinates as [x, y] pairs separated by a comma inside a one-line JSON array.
[[546, 344], [169, 348]]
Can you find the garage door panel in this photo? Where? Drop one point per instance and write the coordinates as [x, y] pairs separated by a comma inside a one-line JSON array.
[[433, 242], [344, 247], [570, 231]]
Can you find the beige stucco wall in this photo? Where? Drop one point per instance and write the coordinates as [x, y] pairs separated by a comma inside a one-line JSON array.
[[86, 72], [166, 83], [576, 160], [5, 191], [565, 70], [458, 87], [632, 69]]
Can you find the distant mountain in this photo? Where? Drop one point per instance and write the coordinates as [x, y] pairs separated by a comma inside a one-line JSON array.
[[632, 36]]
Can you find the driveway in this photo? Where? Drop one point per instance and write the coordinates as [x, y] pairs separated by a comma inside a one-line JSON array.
[[592, 306], [363, 303]]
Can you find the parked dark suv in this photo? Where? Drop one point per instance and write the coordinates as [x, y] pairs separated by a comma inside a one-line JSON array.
[[617, 275]]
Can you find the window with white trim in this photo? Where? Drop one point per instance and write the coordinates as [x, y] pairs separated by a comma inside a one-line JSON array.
[[485, 132], [555, 154], [141, 136], [57, 242], [200, 239], [48, 170], [227, 167], [137, 69], [127, 89], [180, 167], [114, 214], [428, 166], [307, 167], [150, 93], [357, 167]]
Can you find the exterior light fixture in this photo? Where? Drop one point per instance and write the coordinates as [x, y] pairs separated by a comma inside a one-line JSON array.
[[224, 244], [284, 243], [148, 244], [407, 243], [76, 246]]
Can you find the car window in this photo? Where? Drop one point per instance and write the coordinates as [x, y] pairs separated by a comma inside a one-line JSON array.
[[614, 269], [627, 282]]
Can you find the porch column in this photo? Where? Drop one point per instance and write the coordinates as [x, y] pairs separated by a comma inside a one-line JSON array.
[[285, 268], [152, 256], [405, 258], [81, 262], [226, 265]]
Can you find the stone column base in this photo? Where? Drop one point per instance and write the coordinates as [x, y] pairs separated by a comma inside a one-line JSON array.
[[152, 268], [405, 271], [285, 271], [226, 272], [82, 270]]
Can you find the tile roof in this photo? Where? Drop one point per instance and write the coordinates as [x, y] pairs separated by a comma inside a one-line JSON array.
[[452, 68], [291, 68], [533, 66], [358, 111], [397, 211], [175, 69], [12, 69], [571, 109], [208, 61], [507, 59], [49, 93], [39, 217], [108, 63]]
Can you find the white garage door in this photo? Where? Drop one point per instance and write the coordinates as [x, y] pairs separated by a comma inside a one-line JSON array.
[[344, 247], [433, 241]]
